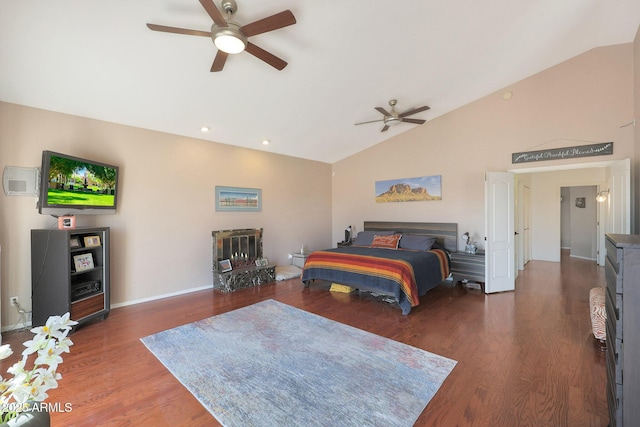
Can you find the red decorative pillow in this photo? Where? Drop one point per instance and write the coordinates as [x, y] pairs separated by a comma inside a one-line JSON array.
[[387, 242]]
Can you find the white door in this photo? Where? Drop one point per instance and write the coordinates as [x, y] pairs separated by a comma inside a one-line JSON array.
[[620, 197], [601, 227], [526, 205], [523, 241], [500, 232]]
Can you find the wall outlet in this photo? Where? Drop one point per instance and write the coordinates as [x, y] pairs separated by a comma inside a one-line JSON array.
[[14, 301]]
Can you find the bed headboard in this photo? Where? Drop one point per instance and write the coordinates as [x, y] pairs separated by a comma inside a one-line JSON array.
[[445, 232]]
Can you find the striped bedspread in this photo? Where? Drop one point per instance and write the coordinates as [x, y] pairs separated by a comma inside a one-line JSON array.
[[406, 275]]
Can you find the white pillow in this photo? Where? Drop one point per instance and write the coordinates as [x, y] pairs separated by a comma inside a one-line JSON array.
[[286, 272]]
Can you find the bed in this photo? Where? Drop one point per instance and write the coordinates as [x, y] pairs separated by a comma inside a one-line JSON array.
[[403, 260]]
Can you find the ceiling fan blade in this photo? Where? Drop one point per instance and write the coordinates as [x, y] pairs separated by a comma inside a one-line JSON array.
[[382, 111], [219, 61], [413, 111], [384, 129], [270, 23], [267, 57], [165, 29], [416, 121], [370, 121], [213, 12]]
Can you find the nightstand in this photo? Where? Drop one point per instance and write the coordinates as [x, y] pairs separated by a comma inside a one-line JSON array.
[[300, 258], [468, 266]]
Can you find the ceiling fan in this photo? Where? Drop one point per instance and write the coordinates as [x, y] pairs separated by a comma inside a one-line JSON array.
[[230, 37], [393, 117]]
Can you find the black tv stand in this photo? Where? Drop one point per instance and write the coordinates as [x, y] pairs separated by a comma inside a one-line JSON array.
[[70, 273]]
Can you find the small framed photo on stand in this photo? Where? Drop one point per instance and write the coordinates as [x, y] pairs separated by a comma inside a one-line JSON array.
[[83, 262], [74, 242], [91, 241], [225, 265]]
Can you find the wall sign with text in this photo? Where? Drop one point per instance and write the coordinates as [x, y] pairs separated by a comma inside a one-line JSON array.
[[592, 150]]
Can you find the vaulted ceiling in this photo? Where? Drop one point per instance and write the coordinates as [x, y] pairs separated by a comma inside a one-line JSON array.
[[98, 59]]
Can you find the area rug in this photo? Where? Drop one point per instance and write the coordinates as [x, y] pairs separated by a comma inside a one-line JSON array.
[[270, 364]]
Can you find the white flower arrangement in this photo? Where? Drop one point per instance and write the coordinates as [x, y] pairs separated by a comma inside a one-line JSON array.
[[28, 386]]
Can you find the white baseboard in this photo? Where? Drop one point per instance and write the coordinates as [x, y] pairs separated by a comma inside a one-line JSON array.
[[27, 324], [17, 327], [583, 257], [163, 296]]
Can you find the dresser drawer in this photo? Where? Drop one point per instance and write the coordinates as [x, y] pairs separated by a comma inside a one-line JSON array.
[[614, 312], [613, 391], [612, 254], [468, 266], [614, 349], [614, 280]]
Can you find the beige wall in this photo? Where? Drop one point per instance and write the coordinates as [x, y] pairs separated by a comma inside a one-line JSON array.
[[581, 101], [636, 159], [161, 234]]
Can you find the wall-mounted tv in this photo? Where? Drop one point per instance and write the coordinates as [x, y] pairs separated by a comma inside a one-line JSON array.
[[73, 186]]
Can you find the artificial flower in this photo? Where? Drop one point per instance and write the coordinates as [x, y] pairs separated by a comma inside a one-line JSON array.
[[5, 351], [31, 385]]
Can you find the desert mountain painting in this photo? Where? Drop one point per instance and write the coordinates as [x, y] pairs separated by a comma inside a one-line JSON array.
[[425, 188]]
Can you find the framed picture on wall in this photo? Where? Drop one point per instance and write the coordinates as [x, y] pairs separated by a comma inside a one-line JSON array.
[[236, 199], [580, 202], [423, 188]]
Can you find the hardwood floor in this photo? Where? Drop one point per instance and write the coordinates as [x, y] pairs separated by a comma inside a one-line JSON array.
[[525, 358]]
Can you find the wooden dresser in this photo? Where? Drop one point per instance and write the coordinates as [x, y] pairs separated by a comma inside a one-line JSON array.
[[623, 328]]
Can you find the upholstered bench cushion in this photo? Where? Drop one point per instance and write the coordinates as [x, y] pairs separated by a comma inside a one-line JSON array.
[[598, 312]]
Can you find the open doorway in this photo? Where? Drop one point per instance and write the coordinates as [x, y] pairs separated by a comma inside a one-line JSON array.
[[543, 188], [545, 183], [579, 221]]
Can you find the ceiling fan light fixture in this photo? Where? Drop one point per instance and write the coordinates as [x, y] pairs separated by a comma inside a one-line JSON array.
[[229, 39], [391, 120]]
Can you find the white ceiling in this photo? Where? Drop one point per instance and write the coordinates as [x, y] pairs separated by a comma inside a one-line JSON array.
[[97, 59]]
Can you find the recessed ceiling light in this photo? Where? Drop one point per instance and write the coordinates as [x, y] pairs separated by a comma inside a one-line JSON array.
[[205, 129], [265, 142], [507, 95]]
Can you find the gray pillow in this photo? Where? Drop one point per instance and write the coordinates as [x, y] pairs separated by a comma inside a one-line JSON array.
[[416, 242], [365, 238]]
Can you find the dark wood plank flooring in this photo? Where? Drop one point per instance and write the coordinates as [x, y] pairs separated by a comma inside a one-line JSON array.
[[525, 358]]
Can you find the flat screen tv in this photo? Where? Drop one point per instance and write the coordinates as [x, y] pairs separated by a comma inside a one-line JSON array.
[[73, 186]]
